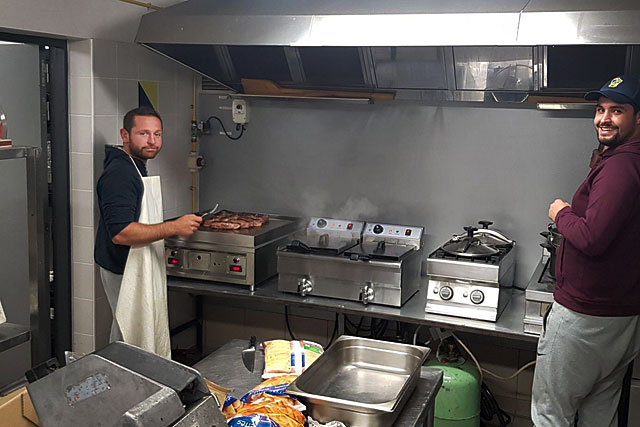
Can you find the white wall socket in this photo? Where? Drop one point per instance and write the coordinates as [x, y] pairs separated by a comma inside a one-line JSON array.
[[240, 111]]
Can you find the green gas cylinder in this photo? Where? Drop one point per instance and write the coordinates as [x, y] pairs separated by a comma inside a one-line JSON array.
[[458, 401]]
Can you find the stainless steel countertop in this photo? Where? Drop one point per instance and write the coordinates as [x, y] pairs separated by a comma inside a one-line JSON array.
[[225, 368], [509, 325], [12, 335]]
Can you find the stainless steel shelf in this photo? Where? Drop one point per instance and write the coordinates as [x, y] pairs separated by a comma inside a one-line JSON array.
[[510, 324]]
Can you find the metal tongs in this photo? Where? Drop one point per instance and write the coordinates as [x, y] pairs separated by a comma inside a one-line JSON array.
[[209, 212]]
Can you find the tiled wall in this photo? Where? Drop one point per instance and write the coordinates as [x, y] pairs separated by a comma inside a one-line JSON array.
[[103, 85]]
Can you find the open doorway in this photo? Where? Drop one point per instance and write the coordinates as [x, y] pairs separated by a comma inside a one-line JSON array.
[[33, 96]]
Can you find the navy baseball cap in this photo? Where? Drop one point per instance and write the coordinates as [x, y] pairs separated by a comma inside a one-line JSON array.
[[623, 89]]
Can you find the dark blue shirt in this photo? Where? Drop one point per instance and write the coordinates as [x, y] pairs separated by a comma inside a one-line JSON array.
[[120, 193]]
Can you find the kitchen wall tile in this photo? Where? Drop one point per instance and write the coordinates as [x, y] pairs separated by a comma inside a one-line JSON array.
[[105, 97], [521, 422], [153, 166], [221, 324], [80, 99], [523, 408], [82, 244], [104, 58], [81, 171], [82, 280], [501, 361], [83, 343], [265, 326], [169, 213], [98, 166], [306, 328], [187, 309], [102, 340], [80, 58], [128, 60], [106, 132], [83, 316], [168, 195], [98, 288], [167, 97], [82, 208], [103, 317], [80, 132], [525, 379], [184, 92], [127, 97], [156, 67]]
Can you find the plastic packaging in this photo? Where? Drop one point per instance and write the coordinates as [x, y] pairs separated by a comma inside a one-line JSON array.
[[266, 405], [289, 357]]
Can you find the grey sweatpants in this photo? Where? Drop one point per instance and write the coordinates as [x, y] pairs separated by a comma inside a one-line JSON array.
[[111, 283], [580, 367]]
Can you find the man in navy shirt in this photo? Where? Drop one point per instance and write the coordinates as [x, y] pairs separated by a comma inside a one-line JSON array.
[[120, 197]]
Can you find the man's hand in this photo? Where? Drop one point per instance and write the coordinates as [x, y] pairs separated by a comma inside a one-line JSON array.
[[556, 207], [187, 225]]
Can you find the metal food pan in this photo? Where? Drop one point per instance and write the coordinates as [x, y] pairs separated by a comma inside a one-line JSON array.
[[360, 381]]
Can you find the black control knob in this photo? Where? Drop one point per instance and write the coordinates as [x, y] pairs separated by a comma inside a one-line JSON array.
[[477, 297], [446, 293], [485, 223], [377, 229], [322, 223]]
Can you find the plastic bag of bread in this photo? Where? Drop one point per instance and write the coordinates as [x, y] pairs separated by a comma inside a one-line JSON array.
[[289, 357], [266, 405]]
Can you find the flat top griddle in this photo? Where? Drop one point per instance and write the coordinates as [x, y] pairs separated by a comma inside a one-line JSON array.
[[247, 237]]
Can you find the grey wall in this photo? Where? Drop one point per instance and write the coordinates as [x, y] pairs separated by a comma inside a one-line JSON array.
[[20, 92], [441, 167]]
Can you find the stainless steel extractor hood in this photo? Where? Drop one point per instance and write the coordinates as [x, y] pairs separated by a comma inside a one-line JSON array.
[[209, 35]]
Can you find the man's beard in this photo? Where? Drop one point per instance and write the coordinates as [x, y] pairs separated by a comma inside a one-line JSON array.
[[142, 154]]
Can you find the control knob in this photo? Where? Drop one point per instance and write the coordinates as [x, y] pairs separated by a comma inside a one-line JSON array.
[[446, 293], [367, 293], [305, 286], [322, 223], [477, 296], [377, 229]]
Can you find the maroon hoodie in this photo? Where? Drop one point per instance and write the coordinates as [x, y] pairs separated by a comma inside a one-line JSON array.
[[598, 264]]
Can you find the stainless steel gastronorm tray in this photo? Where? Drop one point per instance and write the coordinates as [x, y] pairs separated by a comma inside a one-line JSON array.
[[360, 381]]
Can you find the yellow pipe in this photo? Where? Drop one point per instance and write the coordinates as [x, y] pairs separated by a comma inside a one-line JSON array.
[[194, 147], [143, 4]]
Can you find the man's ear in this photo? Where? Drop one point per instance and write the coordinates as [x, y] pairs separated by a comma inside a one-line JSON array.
[[124, 135]]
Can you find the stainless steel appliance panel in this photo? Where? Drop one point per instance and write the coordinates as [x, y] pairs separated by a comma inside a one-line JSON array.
[[389, 283], [244, 256]]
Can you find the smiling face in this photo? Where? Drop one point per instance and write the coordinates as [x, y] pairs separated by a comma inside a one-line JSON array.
[[145, 139], [615, 123]]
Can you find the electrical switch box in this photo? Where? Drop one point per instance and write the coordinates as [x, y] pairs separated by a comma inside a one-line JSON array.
[[240, 111]]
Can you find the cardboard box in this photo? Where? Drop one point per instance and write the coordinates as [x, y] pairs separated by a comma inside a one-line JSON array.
[[16, 410]]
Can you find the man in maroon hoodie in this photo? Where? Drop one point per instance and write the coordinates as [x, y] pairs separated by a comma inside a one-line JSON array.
[[593, 329]]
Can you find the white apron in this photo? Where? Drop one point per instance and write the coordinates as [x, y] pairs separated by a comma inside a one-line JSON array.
[[141, 311], [2, 316]]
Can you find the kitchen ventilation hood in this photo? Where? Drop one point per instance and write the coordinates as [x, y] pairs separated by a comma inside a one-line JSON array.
[[371, 45]]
